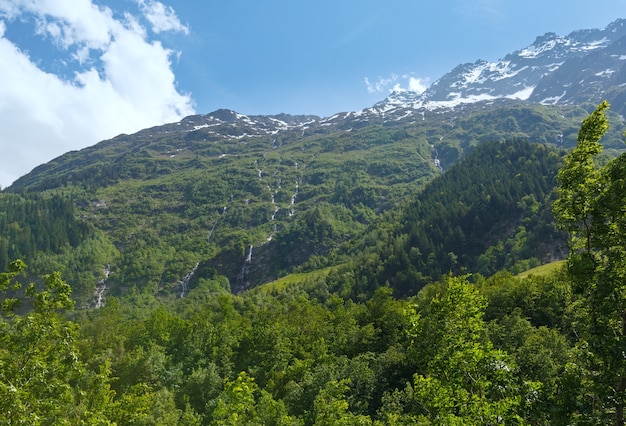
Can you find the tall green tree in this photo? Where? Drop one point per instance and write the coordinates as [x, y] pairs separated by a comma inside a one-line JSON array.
[[242, 403], [42, 380], [463, 379], [580, 182], [592, 208]]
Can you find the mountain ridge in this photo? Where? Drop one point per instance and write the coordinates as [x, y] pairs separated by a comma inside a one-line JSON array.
[[580, 68], [517, 75]]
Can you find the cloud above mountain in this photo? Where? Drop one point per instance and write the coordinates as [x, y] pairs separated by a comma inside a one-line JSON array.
[[101, 75], [396, 83]]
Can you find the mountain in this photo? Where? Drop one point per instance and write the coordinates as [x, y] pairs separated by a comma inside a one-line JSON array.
[[252, 198], [583, 67], [579, 69], [237, 201], [353, 269]]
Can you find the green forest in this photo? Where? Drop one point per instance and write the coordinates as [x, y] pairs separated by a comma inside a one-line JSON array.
[[391, 294]]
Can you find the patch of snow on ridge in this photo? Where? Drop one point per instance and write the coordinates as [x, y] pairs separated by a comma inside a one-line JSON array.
[[454, 99], [307, 124], [278, 122], [473, 76], [595, 44], [331, 118], [605, 73], [482, 72], [533, 51], [458, 100], [242, 117], [523, 94], [502, 67], [509, 73], [553, 100], [339, 115], [405, 115]]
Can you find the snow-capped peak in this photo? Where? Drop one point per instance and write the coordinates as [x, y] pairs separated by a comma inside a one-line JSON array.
[[518, 74]]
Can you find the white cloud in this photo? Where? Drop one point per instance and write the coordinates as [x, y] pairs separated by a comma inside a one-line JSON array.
[[127, 85], [163, 18], [79, 22], [417, 85], [381, 84], [397, 83]]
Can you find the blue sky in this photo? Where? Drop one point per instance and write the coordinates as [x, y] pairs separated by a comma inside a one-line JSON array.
[[75, 72]]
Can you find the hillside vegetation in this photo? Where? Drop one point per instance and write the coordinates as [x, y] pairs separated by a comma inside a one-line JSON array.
[[397, 301], [153, 205]]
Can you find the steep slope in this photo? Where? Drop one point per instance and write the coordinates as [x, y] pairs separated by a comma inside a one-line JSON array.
[[585, 66], [172, 197], [490, 211], [252, 198]]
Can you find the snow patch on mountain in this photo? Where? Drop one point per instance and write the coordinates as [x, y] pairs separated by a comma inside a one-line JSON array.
[[554, 69], [553, 100], [535, 51], [519, 74]]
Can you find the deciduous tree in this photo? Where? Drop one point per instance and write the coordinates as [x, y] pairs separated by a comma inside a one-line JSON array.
[[592, 209]]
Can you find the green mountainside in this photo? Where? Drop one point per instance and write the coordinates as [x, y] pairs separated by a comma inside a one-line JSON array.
[[395, 248], [235, 197], [487, 213], [430, 260]]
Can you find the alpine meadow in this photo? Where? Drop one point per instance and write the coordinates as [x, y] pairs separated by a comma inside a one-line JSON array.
[[451, 257]]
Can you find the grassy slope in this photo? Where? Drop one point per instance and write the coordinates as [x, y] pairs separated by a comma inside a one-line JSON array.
[[543, 270]]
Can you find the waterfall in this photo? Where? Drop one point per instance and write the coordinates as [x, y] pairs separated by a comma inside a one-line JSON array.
[[259, 171], [208, 238], [101, 288], [184, 283], [437, 162], [293, 197], [213, 227], [244, 275], [100, 296]]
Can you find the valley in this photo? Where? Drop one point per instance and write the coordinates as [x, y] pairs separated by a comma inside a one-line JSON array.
[[450, 257]]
